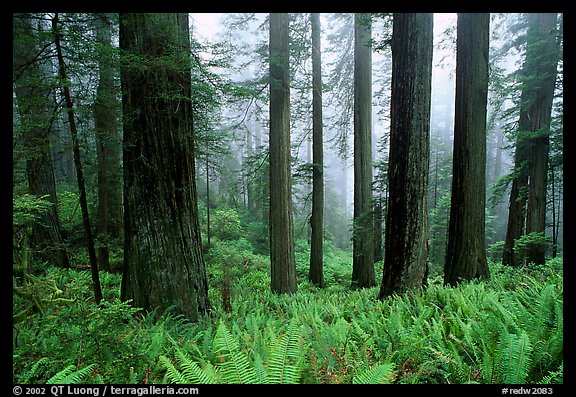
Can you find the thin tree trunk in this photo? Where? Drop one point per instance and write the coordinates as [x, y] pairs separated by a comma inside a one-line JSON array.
[[77, 160], [282, 259], [315, 274], [363, 248], [466, 251], [406, 240]]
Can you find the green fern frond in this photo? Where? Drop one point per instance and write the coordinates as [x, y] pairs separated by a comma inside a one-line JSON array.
[[554, 376], [378, 374], [70, 375], [236, 368], [515, 361], [286, 358], [190, 371], [260, 369], [32, 374], [173, 375]]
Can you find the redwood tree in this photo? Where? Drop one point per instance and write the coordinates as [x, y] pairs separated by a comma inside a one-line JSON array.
[[317, 220], [363, 238], [282, 259], [163, 261], [406, 240], [527, 212], [544, 61], [466, 251], [108, 144]]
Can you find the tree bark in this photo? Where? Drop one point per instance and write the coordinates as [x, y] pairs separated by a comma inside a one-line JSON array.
[[316, 275], [406, 240], [163, 262], [363, 238], [34, 99], [282, 259], [466, 251]]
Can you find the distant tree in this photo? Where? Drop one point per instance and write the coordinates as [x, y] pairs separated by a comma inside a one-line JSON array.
[[466, 251], [544, 64], [163, 261], [363, 238], [527, 210], [406, 239], [35, 105], [108, 142], [317, 220], [282, 259]]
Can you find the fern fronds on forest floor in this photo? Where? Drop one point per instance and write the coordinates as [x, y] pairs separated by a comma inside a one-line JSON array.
[[505, 329]]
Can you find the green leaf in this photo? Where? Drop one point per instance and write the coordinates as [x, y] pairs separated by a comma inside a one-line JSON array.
[[236, 368], [70, 375], [378, 374], [515, 362]]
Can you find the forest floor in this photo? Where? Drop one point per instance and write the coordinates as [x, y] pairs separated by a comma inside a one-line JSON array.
[[508, 329]]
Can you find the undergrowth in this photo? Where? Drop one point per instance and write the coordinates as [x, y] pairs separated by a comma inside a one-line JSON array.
[[508, 329]]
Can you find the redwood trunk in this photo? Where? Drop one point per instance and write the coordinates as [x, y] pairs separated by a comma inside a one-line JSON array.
[[363, 239], [316, 275], [466, 251], [163, 262], [405, 246]]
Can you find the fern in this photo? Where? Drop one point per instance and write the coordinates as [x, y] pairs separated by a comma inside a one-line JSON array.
[[70, 375], [236, 367], [378, 374], [190, 372], [554, 376], [515, 361], [286, 358], [233, 366]]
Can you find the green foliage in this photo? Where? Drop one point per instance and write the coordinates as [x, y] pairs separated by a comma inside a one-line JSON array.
[[503, 330], [515, 359], [379, 374], [26, 208], [530, 241], [234, 366], [225, 224], [71, 375]]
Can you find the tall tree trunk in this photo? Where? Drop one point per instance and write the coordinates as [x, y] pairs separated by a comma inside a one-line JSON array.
[[107, 143], [406, 240], [35, 100], [532, 141], [363, 239], [316, 275], [282, 259], [466, 251], [163, 262], [77, 161], [546, 54]]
